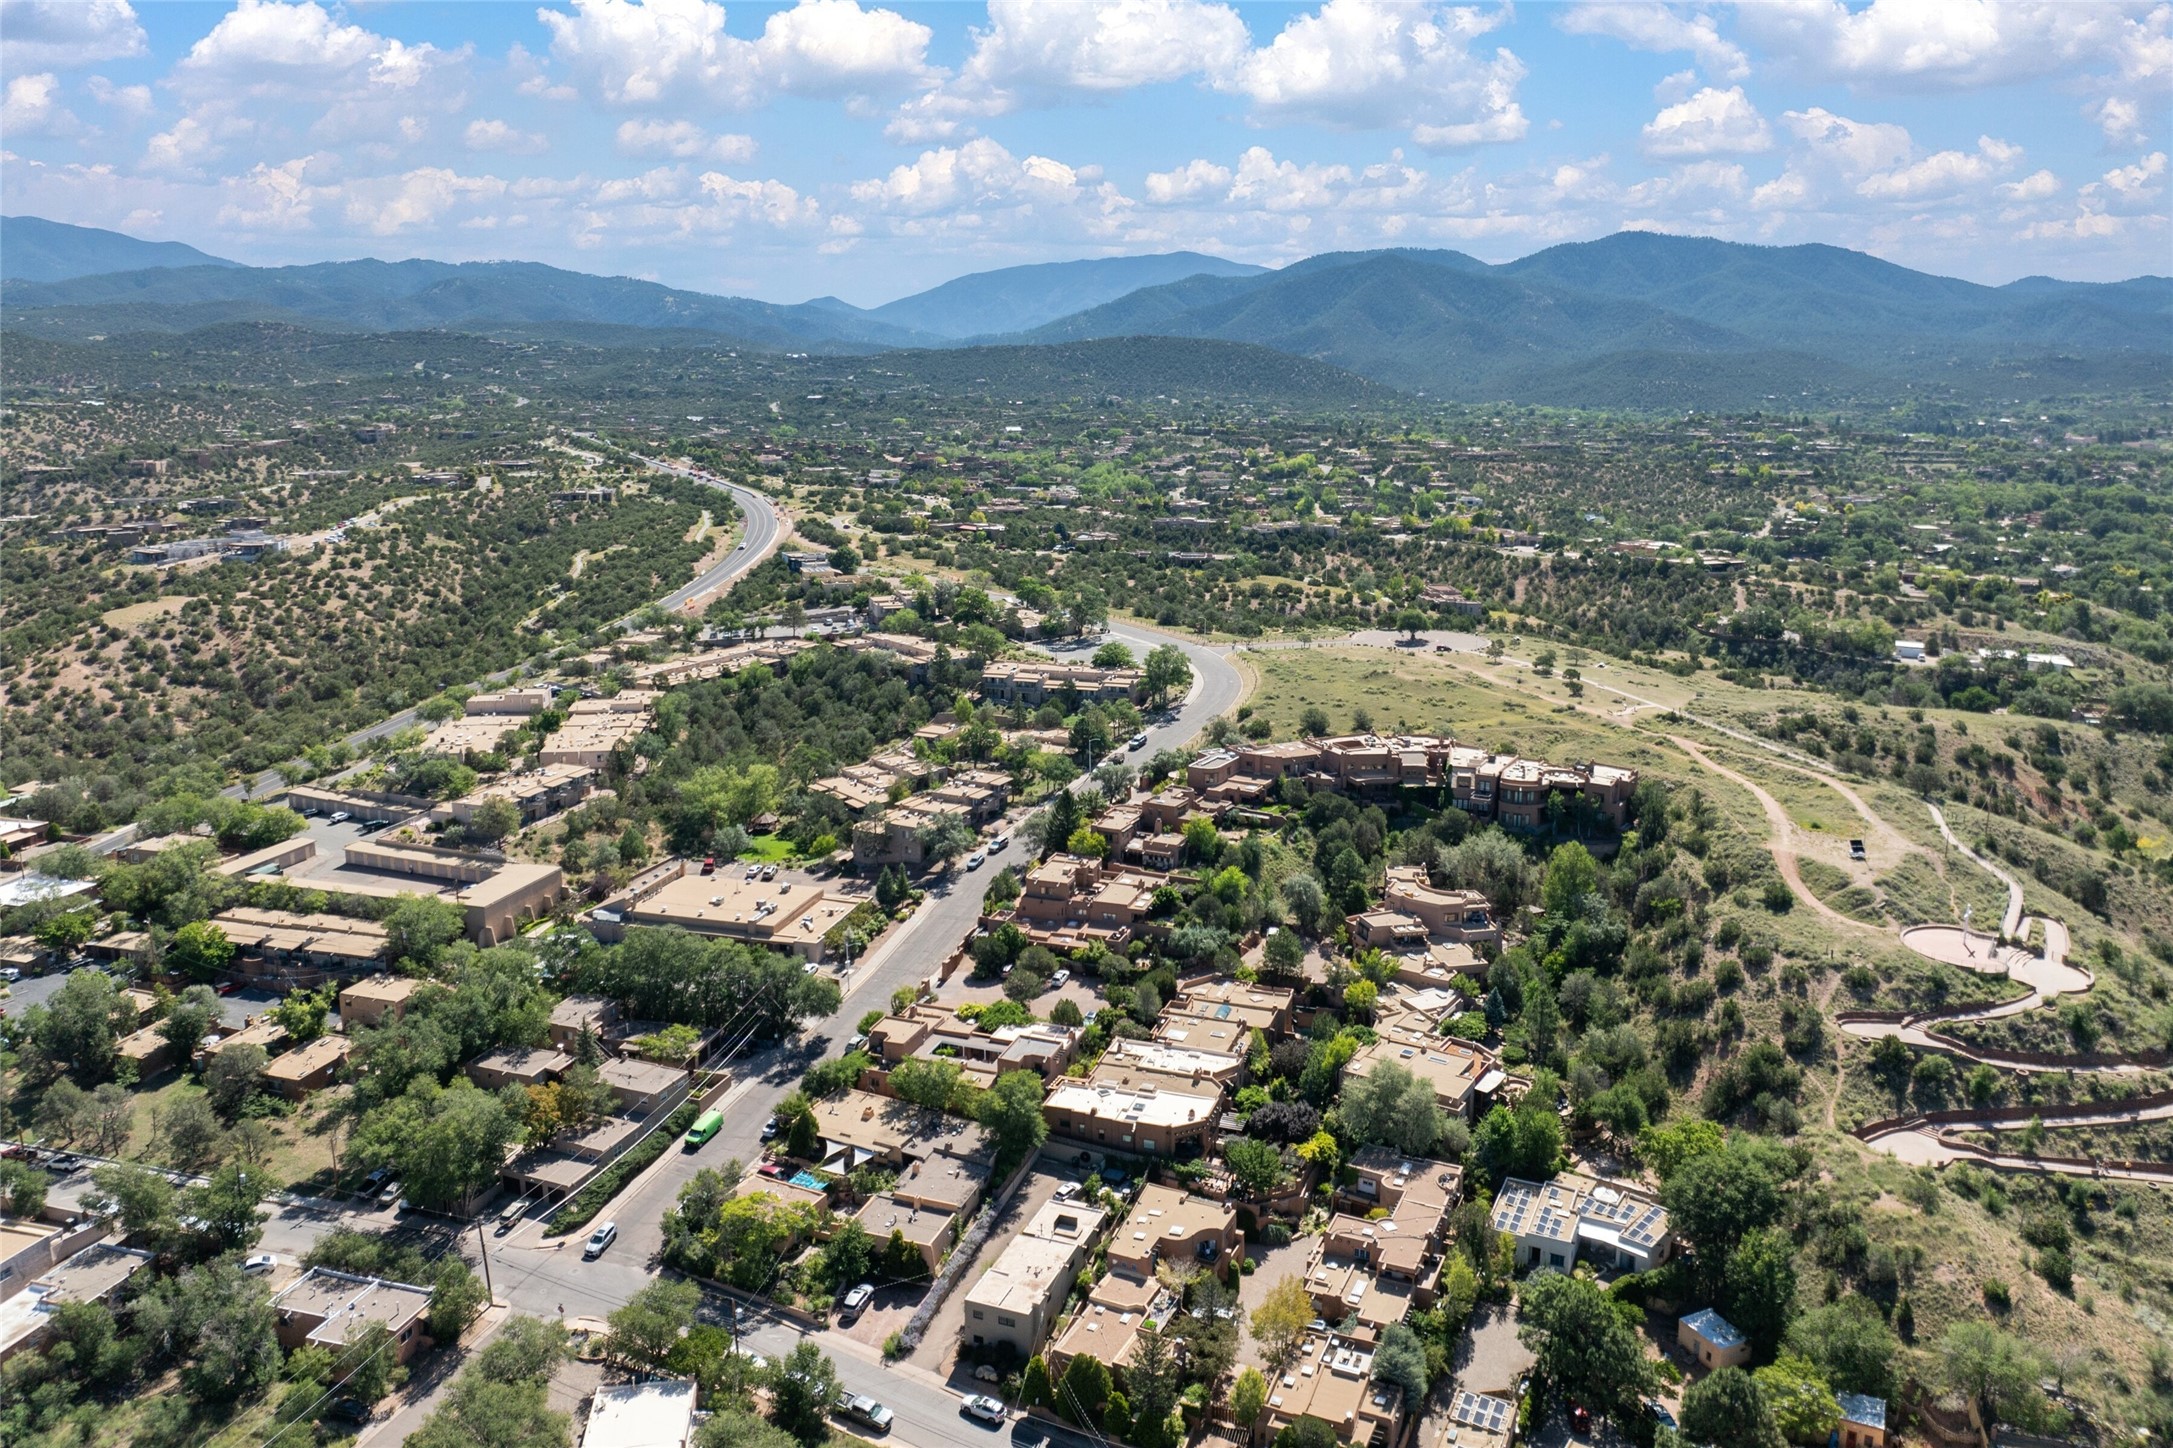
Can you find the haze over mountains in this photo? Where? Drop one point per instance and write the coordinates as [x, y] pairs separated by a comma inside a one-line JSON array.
[[1637, 319]]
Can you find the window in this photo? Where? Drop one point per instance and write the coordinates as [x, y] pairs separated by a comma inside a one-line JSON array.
[[1007, 1322], [1554, 1259], [977, 1314]]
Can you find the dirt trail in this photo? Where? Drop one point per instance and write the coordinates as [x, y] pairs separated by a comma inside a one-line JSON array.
[[1783, 847]]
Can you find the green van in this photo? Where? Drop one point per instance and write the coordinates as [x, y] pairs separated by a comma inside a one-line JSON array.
[[710, 1123]]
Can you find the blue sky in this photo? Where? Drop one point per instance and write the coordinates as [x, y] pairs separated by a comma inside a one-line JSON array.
[[848, 148]]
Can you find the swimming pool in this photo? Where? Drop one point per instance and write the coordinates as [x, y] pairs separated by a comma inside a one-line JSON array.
[[809, 1180]]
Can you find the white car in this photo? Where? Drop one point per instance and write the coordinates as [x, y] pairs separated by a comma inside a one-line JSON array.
[[987, 1409], [261, 1262], [856, 1301], [1001, 842], [977, 859], [1060, 978], [10, 973], [599, 1239], [339, 817]]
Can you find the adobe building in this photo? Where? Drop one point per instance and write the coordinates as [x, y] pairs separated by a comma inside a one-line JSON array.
[[1022, 1293]]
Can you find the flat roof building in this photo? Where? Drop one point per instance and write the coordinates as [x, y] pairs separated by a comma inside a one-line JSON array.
[[369, 1002], [328, 1309], [1616, 1224], [1019, 1297], [1167, 1225], [655, 1414], [307, 1068], [1141, 1119], [778, 914]]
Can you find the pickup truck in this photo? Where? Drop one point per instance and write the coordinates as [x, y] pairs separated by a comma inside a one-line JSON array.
[[864, 1410]]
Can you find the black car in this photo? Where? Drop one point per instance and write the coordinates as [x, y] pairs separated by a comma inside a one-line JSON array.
[[349, 1410]]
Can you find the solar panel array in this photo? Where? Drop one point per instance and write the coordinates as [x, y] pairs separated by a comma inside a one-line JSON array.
[[1512, 1206], [1646, 1229], [1480, 1411]]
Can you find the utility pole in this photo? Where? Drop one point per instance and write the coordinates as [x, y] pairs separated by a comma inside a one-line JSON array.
[[483, 1245]]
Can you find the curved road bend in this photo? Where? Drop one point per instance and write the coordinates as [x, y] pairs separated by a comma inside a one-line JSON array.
[[764, 530]]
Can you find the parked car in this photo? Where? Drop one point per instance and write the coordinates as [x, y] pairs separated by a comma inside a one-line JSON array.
[[1138, 741], [865, 1411], [754, 872], [1001, 842], [339, 817], [10, 973], [1657, 1411], [987, 1409], [769, 871], [770, 1129], [856, 1302], [599, 1239], [375, 1181], [977, 859], [511, 1216], [1580, 1418], [391, 1194], [261, 1262], [771, 1169], [1061, 978], [709, 865], [349, 1410], [1067, 1191]]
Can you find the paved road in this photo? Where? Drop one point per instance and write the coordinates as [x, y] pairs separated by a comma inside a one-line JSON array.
[[535, 1277], [764, 529]]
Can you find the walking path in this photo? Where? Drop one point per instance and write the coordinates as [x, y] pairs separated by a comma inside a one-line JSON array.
[[1922, 1142]]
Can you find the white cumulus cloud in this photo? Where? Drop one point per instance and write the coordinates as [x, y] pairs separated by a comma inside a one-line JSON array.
[[1188, 182], [658, 51], [61, 34], [496, 135], [1943, 173], [1661, 28], [682, 140], [31, 106], [1391, 64], [1708, 123]]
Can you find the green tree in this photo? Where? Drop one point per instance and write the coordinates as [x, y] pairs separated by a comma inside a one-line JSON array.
[[1573, 877], [1666, 1148], [1254, 1165], [1391, 1106], [1992, 1368], [226, 1205], [1115, 654], [189, 1131], [1034, 1389], [189, 1019], [140, 1199], [1412, 622], [1401, 1359], [1083, 1395], [1168, 672], [925, 1082], [646, 1330], [1761, 1288], [1011, 1110], [1280, 1321], [369, 1366], [494, 819], [79, 1024], [1725, 1406], [737, 1428], [1716, 1200], [805, 1385], [1152, 1381], [200, 951], [1520, 1141], [1851, 1345], [22, 1189], [1248, 1398], [419, 927], [233, 1076], [65, 932], [456, 1296], [1586, 1351], [302, 1012], [500, 1400], [1803, 1406]]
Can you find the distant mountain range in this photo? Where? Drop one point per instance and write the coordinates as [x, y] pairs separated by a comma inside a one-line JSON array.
[[1635, 319], [33, 249]]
